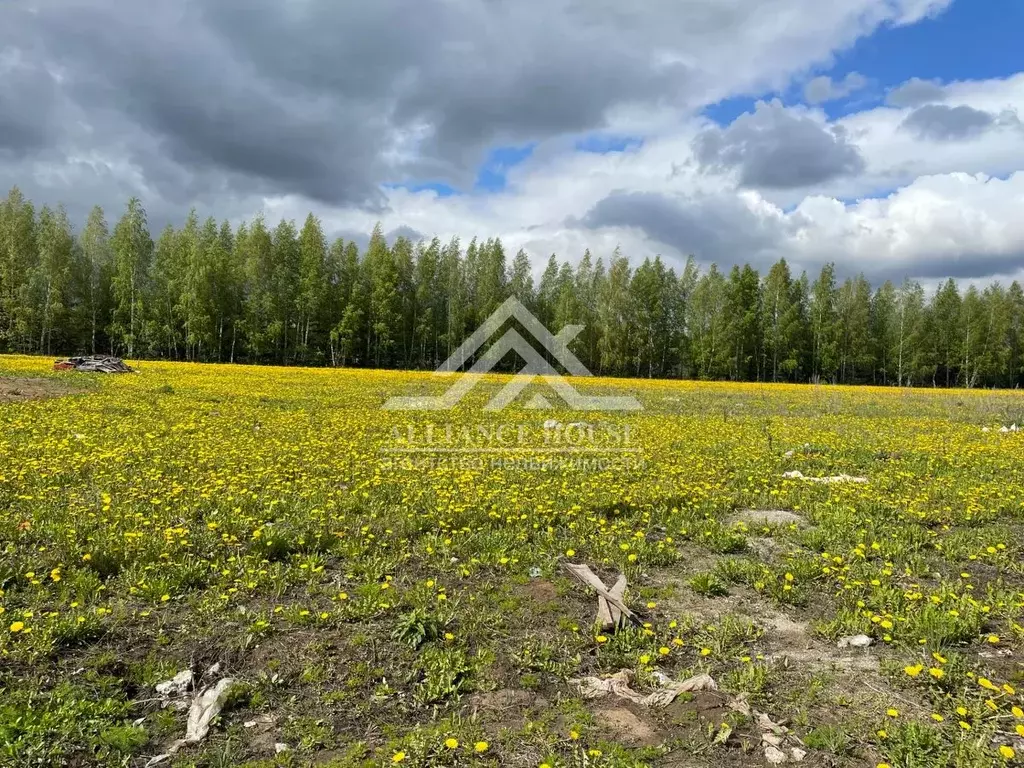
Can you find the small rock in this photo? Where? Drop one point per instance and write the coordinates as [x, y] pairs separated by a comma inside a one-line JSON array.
[[774, 755], [797, 754], [279, 748], [535, 572], [855, 641]]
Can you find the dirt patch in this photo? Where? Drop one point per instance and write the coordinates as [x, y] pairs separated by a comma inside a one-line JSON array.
[[759, 517], [14, 390], [542, 591], [700, 710], [626, 727], [786, 638], [502, 701]]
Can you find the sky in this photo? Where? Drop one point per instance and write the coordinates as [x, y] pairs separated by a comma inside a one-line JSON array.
[[882, 135]]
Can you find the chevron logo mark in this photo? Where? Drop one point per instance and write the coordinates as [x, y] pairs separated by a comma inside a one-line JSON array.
[[536, 367]]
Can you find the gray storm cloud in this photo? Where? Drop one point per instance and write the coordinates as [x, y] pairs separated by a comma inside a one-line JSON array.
[[776, 148], [222, 103]]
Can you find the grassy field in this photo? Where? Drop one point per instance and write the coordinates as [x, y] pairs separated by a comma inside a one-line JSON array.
[[379, 604]]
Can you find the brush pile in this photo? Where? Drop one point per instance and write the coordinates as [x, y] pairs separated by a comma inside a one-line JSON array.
[[93, 364]]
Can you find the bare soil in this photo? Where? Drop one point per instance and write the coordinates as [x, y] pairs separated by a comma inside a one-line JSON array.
[[13, 390]]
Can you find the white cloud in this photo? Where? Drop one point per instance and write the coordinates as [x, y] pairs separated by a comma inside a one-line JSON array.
[[926, 208], [313, 123], [823, 88]]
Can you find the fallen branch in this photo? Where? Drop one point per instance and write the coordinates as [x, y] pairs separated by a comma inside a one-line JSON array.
[[613, 596]]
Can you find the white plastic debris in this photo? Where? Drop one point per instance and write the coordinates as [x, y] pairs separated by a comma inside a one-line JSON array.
[[280, 747], [206, 706], [177, 685], [796, 474], [618, 685], [855, 641]]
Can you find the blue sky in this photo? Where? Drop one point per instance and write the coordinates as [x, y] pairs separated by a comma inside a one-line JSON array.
[[492, 174], [970, 40]]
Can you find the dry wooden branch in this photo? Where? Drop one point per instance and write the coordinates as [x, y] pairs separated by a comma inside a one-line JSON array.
[[612, 598]]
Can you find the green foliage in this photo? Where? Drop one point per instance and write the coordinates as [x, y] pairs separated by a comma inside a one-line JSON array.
[[284, 295], [418, 627], [56, 726]]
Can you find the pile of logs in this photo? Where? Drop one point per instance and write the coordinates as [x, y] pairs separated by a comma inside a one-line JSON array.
[[93, 364]]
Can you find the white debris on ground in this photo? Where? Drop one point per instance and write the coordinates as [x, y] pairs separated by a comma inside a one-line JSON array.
[[618, 685], [767, 517], [796, 474], [177, 685], [205, 706], [855, 641], [779, 744]]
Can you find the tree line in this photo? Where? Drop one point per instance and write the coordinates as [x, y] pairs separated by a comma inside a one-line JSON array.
[[207, 291]]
